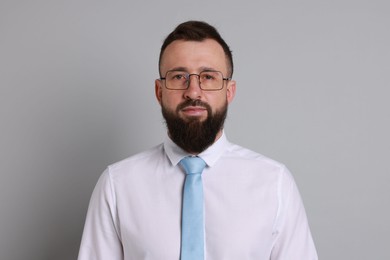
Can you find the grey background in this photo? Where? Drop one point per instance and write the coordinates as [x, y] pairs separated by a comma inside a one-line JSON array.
[[77, 94]]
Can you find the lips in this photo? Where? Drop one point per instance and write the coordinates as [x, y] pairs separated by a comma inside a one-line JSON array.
[[194, 110]]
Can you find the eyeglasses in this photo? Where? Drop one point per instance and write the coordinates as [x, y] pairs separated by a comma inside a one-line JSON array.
[[208, 80]]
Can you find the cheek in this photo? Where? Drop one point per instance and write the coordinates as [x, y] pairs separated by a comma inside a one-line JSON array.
[[170, 100], [218, 101]]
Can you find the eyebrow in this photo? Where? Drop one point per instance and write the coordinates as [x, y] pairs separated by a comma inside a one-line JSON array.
[[186, 69], [179, 69]]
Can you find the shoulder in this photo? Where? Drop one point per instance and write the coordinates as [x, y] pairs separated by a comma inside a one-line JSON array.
[[252, 162], [237, 152], [139, 160]]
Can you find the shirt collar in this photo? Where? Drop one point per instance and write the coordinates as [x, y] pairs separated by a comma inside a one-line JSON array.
[[210, 155]]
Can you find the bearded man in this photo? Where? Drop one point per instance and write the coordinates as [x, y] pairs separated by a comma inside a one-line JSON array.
[[196, 196]]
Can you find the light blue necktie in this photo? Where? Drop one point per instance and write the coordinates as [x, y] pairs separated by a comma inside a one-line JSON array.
[[192, 224]]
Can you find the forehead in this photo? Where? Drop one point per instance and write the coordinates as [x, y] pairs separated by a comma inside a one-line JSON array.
[[194, 55]]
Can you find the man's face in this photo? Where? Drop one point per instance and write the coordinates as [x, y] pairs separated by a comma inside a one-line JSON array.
[[194, 106]]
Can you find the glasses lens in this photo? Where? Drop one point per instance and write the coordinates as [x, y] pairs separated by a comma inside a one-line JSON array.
[[176, 80], [211, 80]]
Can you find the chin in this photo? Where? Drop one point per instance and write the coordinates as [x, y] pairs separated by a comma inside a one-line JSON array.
[[194, 118]]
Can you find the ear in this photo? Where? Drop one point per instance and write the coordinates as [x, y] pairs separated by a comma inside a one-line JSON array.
[[158, 90], [230, 90]]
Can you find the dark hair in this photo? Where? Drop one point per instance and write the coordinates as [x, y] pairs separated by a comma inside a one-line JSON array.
[[197, 31]]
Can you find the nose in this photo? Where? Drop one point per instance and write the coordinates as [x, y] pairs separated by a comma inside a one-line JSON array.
[[193, 90]]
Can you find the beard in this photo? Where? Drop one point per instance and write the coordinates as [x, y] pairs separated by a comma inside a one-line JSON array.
[[192, 134]]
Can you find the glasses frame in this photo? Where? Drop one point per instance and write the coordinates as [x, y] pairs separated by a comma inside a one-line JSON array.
[[188, 76]]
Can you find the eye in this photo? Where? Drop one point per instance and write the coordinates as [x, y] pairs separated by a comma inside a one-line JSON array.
[[175, 75], [208, 76]]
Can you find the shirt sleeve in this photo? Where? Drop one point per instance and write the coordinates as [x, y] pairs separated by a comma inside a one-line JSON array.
[[293, 237], [101, 238]]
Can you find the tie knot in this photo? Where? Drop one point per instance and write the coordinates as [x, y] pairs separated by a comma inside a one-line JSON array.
[[193, 165]]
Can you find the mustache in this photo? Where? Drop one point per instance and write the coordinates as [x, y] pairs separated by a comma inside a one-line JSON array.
[[194, 103]]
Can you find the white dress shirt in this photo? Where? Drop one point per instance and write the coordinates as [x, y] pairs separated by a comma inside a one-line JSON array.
[[253, 209]]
